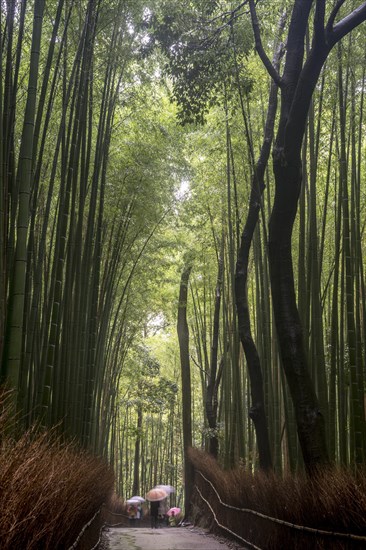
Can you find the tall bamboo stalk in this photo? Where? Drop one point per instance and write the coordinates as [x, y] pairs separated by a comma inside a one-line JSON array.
[[13, 346]]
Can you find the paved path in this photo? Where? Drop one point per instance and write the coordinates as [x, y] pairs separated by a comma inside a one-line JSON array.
[[165, 538]]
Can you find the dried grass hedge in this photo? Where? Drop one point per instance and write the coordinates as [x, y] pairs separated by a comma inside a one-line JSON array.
[[334, 500], [117, 505], [48, 490], [115, 512]]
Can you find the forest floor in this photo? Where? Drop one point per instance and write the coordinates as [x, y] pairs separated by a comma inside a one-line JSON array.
[[165, 538]]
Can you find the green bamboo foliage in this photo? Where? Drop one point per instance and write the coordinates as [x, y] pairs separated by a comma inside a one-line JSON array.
[[329, 277], [316, 348], [88, 210], [356, 412], [37, 239], [206, 328], [66, 215], [14, 332], [9, 169], [156, 427], [68, 361], [334, 342], [356, 236]]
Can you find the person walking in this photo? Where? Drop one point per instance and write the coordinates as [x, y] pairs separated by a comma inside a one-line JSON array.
[[172, 520], [154, 513], [131, 511], [155, 495], [139, 514]]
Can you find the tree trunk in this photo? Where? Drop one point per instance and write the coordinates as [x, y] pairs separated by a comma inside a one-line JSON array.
[[310, 422], [297, 86], [257, 411], [183, 337], [211, 391]]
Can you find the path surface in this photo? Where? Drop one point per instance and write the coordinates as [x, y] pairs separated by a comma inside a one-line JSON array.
[[169, 538]]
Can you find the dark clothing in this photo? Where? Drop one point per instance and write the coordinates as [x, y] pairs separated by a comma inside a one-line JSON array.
[[154, 513]]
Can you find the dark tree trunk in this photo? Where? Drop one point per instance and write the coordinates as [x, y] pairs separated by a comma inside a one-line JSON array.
[[257, 410], [297, 87], [211, 390], [183, 337], [310, 422]]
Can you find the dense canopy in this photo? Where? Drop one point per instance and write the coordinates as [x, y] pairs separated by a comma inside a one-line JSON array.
[[199, 164]]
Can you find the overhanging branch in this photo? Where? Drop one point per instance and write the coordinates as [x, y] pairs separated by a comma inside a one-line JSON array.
[[333, 15], [259, 46], [347, 24]]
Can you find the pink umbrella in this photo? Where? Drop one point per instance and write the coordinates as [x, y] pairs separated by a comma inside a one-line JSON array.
[[156, 494], [173, 511]]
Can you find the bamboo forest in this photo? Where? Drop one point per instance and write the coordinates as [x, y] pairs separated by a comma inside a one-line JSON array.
[[182, 270]]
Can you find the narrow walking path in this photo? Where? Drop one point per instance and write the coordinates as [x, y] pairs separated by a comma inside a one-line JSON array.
[[180, 538]]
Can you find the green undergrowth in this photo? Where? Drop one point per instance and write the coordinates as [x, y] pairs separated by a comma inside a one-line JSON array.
[[48, 490], [333, 500]]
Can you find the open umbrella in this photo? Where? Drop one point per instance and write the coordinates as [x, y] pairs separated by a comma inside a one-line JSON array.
[[140, 499], [132, 501], [156, 494], [167, 488], [173, 511]]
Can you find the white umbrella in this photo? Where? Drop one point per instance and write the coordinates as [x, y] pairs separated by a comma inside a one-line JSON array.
[[140, 499], [132, 501]]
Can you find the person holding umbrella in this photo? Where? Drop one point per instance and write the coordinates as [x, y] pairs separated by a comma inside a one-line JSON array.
[[154, 513], [154, 496], [132, 512], [139, 501], [173, 515]]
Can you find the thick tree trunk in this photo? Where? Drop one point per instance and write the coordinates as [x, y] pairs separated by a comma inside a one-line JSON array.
[[297, 89], [257, 410], [297, 86], [310, 422], [211, 391]]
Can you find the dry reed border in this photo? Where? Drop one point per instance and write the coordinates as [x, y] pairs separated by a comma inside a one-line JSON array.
[[48, 490], [334, 501]]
